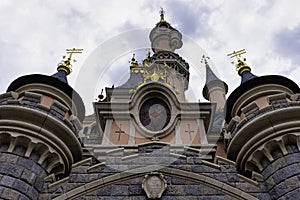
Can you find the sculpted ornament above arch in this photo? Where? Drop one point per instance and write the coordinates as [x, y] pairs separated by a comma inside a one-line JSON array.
[[154, 185]]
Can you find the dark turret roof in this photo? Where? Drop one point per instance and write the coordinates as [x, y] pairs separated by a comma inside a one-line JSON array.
[[53, 81], [212, 81], [246, 76], [254, 82], [61, 75]]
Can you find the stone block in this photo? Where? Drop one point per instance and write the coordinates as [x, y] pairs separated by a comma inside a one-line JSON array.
[[163, 159], [28, 176], [119, 190], [178, 181], [39, 184], [20, 186], [104, 191], [232, 177], [197, 160], [32, 193], [247, 187], [179, 161], [291, 170], [38, 170], [15, 171], [10, 194], [4, 168], [278, 191], [221, 177], [211, 191], [7, 181], [295, 194], [174, 190], [262, 196], [135, 190], [8, 158], [78, 178], [193, 190], [26, 163], [292, 158], [197, 168], [292, 183], [92, 177]]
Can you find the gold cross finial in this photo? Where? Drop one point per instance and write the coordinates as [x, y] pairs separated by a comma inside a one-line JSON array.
[[71, 51], [65, 64], [241, 65], [237, 54]]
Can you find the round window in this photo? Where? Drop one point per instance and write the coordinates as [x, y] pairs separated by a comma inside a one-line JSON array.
[[154, 114]]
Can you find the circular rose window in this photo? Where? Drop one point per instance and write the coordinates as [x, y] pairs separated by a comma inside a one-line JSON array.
[[154, 114]]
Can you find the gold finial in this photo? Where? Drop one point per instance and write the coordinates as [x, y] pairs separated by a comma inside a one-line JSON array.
[[147, 59], [204, 60], [241, 65], [162, 14], [133, 63], [65, 64]]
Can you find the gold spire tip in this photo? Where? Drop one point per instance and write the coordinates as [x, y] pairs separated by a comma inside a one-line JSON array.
[[241, 65], [65, 64]]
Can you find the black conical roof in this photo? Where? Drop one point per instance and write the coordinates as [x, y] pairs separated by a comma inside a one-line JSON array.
[[211, 81], [61, 75]]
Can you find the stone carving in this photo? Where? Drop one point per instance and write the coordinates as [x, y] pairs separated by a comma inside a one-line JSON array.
[[154, 185]]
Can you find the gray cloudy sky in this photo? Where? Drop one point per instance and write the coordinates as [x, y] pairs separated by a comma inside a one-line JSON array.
[[35, 34]]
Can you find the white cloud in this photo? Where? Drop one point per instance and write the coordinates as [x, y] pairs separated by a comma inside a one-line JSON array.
[[34, 34]]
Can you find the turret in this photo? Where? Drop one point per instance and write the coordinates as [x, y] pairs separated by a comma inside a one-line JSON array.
[[214, 90], [262, 117], [40, 119], [164, 37]]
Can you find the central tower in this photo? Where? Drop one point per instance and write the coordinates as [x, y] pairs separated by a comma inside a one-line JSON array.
[[151, 105]]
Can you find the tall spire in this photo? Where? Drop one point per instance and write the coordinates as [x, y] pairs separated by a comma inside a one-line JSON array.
[[210, 75], [211, 80], [242, 67]]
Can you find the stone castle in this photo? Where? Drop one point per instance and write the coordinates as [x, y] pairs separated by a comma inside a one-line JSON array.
[[145, 141]]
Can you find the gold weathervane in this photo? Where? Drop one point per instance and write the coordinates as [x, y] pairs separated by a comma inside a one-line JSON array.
[[65, 64], [241, 65]]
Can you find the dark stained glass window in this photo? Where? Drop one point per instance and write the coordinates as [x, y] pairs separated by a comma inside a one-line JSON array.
[[154, 114]]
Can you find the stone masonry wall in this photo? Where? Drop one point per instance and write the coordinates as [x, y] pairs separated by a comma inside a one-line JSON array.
[[187, 177], [283, 177], [20, 177]]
